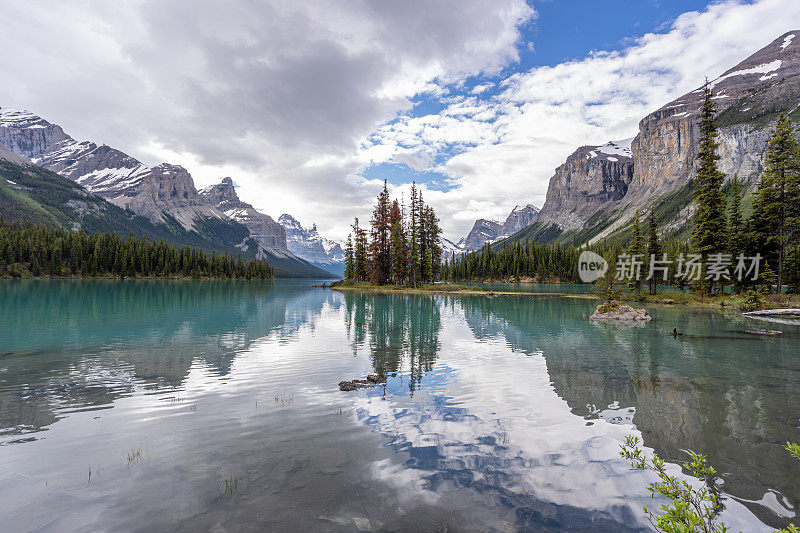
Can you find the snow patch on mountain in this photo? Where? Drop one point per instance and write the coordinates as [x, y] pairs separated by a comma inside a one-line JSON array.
[[618, 148], [760, 69], [309, 244]]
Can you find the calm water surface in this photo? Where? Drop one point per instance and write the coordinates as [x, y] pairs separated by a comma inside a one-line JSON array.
[[189, 406]]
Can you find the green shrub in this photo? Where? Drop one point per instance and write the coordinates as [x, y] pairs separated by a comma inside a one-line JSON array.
[[747, 301], [689, 509]]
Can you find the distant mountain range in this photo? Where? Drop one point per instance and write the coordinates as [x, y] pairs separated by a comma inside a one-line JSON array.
[[115, 192], [309, 245], [488, 231], [47, 176]]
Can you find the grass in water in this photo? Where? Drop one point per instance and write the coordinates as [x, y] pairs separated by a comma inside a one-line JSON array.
[[134, 455], [231, 485]]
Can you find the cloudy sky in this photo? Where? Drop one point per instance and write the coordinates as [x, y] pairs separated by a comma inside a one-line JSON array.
[[309, 105]]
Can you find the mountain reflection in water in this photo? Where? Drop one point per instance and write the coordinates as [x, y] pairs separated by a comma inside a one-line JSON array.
[[205, 405]]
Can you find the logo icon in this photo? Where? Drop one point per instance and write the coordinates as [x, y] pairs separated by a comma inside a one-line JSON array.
[[591, 266]]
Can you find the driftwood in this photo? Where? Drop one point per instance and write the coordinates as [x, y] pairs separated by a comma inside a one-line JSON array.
[[780, 316], [774, 312]]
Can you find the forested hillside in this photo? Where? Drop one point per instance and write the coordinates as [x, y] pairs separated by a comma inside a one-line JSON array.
[[31, 250]]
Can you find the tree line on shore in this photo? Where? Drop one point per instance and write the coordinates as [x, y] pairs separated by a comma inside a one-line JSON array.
[[719, 225], [33, 250], [551, 262], [399, 248]]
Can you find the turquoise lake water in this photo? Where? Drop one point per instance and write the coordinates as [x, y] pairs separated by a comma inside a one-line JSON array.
[[205, 405]]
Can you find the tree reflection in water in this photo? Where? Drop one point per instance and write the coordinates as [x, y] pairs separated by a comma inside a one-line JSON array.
[[401, 331]]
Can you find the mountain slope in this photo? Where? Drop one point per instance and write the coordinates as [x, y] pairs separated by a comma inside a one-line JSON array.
[[590, 198], [29, 192], [164, 194], [748, 98], [268, 234]]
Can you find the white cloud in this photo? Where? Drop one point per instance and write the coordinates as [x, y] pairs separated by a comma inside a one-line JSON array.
[[511, 143], [293, 99], [277, 94]]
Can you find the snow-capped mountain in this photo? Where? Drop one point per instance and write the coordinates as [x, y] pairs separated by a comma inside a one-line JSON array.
[[214, 218], [599, 188], [311, 246], [484, 231], [153, 192], [267, 233], [449, 248]]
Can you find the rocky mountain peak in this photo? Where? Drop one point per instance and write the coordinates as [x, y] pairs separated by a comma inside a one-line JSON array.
[[310, 245], [591, 178], [484, 231], [288, 221], [29, 135], [748, 98], [269, 235], [520, 217], [223, 195]]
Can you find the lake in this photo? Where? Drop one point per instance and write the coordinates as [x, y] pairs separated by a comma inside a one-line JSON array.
[[214, 405]]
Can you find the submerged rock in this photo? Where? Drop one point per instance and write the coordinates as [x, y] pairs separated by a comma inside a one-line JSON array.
[[622, 313], [373, 380]]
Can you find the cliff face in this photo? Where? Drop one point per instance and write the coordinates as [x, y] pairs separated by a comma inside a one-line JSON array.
[[592, 178], [748, 98], [661, 158], [263, 229]]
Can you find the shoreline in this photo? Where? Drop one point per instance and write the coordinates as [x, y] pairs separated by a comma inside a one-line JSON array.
[[689, 300], [466, 291]]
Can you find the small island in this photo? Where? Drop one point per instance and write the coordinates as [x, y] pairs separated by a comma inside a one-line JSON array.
[[616, 312]]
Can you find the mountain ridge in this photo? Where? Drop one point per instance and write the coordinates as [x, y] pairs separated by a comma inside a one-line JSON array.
[[590, 198], [164, 194], [311, 246]]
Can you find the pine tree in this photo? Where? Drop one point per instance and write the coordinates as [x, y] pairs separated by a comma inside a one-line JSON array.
[[636, 250], [359, 252], [736, 242], [413, 237], [775, 208], [422, 238], [379, 249], [735, 227], [349, 266], [653, 250], [433, 249], [709, 218], [398, 250]]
